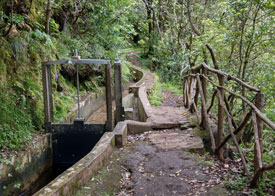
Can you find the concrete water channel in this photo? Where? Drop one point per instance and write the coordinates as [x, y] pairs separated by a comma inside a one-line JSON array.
[[132, 114], [100, 110], [99, 148], [68, 142], [98, 115]]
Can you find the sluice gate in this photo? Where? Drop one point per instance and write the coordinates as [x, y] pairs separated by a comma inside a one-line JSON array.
[[72, 141]]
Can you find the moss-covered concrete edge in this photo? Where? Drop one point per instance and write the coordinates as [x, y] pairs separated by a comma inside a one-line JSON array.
[[80, 172], [26, 167]]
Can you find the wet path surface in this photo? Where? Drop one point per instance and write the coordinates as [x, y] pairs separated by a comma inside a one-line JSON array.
[[158, 163], [146, 166]]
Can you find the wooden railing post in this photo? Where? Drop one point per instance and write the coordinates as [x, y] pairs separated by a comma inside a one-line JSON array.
[[203, 83], [259, 103], [186, 83], [190, 106], [213, 145], [189, 80], [230, 126], [257, 148], [220, 116], [183, 91]]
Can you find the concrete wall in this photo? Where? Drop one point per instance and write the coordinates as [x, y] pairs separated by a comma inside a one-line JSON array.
[[26, 167], [144, 106], [139, 89], [88, 106], [79, 173]]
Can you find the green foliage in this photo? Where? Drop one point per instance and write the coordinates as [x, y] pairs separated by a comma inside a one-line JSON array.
[[99, 30], [62, 104], [126, 72], [16, 121], [237, 184], [173, 88], [17, 19], [155, 95]]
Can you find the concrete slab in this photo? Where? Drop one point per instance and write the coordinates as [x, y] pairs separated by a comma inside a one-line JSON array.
[[175, 140], [120, 132]]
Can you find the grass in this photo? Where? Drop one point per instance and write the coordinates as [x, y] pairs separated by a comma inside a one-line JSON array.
[[127, 50], [155, 95], [126, 72], [173, 88]]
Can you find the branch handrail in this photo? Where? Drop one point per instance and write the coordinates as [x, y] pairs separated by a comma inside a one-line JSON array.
[[259, 113], [229, 77], [197, 78]]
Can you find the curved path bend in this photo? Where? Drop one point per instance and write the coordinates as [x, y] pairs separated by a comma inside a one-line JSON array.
[[160, 162]]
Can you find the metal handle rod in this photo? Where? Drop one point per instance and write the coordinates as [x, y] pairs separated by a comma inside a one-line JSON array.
[[78, 100], [77, 81]]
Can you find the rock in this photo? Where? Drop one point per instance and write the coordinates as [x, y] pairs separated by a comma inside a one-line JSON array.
[[186, 126]]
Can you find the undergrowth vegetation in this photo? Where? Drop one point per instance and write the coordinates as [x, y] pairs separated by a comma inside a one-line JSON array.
[[96, 31], [172, 37]]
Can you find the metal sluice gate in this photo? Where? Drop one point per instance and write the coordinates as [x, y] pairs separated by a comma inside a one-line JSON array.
[[71, 142]]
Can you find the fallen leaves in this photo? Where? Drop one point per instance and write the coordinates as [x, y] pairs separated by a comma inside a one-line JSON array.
[[126, 183]]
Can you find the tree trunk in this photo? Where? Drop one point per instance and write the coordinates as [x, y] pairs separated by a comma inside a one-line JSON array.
[[48, 17]]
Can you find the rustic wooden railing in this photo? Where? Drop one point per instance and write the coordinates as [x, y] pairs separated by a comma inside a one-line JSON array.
[[195, 86]]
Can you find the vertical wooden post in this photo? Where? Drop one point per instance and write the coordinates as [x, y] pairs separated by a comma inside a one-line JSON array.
[[196, 94], [47, 94], [229, 118], [203, 83], [192, 94], [109, 123], [220, 117], [213, 145], [257, 148], [187, 87], [119, 112], [183, 91], [187, 93], [259, 103]]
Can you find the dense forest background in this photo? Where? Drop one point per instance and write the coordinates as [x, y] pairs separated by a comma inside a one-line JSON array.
[[174, 35]]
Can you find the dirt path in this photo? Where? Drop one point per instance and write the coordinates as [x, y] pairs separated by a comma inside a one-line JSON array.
[[171, 99], [161, 170], [161, 163], [132, 57], [169, 112], [148, 166], [164, 162]]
